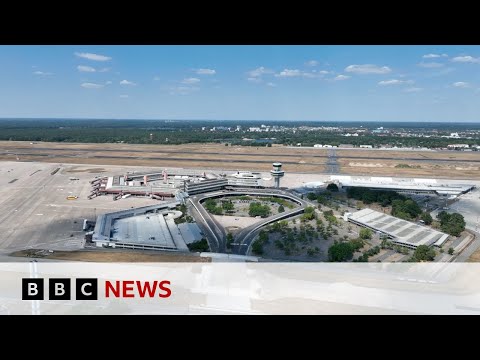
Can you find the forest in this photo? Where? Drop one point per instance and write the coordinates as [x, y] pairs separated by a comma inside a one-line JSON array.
[[189, 131]]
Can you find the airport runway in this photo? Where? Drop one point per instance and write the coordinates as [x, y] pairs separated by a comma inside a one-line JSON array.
[[47, 151]]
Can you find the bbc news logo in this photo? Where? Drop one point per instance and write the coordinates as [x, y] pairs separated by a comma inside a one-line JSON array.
[[87, 289]]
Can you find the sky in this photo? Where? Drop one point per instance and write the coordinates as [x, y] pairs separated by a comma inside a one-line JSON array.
[[323, 83]]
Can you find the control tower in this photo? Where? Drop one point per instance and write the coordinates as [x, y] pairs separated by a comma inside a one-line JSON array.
[[277, 173]]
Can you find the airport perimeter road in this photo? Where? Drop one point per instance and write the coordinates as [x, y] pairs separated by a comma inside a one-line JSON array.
[[245, 237], [216, 235], [470, 249]]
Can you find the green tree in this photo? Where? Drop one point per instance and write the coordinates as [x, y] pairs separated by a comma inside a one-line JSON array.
[[332, 187], [340, 252], [450, 251], [365, 234], [228, 205], [257, 209], [423, 253], [452, 224], [426, 217], [257, 248], [229, 240], [199, 246], [281, 209], [311, 196]]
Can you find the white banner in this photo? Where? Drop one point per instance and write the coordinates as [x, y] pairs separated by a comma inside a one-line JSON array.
[[238, 288]]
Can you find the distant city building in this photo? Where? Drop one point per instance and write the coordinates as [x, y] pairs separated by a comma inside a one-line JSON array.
[[458, 146], [366, 146]]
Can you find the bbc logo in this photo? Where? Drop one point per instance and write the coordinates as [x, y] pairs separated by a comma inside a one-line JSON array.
[[60, 289]]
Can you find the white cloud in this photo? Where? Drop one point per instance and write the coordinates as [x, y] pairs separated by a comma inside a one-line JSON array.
[[341, 77], [205, 72], [466, 59], [289, 73], [190, 81], [299, 73], [94, 57], [84, 68], [42, 73], [312, 63], [88, 85], [123, 96], [430, 65], [183, 90], [104, 70], [271, 84], [126, 82], [254, 79], [368, 69], [412, 89], [259, 72], [108, 82], [461, 84], [395, 82], [156, 78], [433, 56]]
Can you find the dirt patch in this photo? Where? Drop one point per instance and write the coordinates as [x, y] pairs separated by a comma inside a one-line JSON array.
[[475, 257], [111, 256], [238, 222], [90, 170]]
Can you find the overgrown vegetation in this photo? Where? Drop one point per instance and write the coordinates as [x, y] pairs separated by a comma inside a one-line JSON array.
[[257, 209], [332, 187], [402, 206], [340, 252], [211, 206], [423, 253], [257, 246], [406, 166], [427, 218], [199, 246], [451, 223]]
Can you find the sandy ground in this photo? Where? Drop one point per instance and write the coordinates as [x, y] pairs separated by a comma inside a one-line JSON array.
[[235, 222], [115, 256]]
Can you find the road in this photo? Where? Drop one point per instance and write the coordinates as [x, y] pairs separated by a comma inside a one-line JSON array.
[[332, 163], [216, 234], [245, 237]]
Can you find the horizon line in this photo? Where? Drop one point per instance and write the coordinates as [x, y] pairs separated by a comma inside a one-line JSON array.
[[240, 120]]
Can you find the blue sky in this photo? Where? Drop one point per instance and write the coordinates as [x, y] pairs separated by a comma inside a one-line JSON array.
[[331, 83]]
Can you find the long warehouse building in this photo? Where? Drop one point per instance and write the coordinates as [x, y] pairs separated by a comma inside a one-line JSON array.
[[401, 232]]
